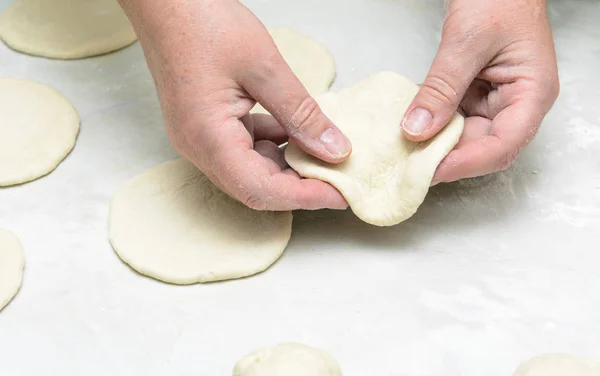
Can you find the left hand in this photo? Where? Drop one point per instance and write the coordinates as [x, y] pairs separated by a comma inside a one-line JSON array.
[[497, 65]]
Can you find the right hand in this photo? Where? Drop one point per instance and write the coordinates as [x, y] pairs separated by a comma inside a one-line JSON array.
[[212, 60]]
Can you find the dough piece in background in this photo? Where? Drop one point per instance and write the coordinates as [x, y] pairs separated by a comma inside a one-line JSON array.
[[172, 224], [12, 263], [288, 359], [312, 62], [387, 177], [38, 129], [558, 365], [66, 29]]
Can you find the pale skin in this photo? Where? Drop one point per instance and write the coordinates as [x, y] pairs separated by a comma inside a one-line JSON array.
[[212, 60]]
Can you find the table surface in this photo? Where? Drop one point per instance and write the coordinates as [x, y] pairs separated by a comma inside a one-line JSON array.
[[489, 271]]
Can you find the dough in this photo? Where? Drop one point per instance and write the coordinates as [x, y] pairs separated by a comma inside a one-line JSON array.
[[312, 63], [12, 262], [38, 128], [387, 177], [558, 365], [171, 223], [66, 29], [289, 359]]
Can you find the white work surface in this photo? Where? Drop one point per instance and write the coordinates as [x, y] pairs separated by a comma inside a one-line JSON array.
[[488, 272]]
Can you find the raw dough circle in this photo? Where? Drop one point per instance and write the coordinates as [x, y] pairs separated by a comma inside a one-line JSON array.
[[66, 29], [12, 263], [558, 365], [289, 359], [171, 223], [38, 129], [387, 177], [312, 62]]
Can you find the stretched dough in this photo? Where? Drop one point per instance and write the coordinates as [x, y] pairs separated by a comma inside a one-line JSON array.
[[12, 263], [288, 359], [38, 129], [312, 62], [171, 223], [66, 29], [558, 365], [387, 177]]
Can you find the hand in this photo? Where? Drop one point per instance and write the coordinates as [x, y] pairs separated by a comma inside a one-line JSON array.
[[497, 65], [211, 61]]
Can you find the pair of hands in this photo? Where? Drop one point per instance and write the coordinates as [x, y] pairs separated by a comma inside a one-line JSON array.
[[212, 60]]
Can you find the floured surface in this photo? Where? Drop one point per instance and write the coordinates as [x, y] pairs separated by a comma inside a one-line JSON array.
[[289, 359], [486, 274], [310, 60], [387, 177], [171, 223], [65, 29], [38, 128], [558, 365], [12, 262]]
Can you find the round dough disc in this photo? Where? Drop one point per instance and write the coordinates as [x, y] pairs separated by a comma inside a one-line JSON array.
[[558, 365], [12, 263], [289, 359], [312, 62], [171, 223], [387, 177], [38, 128], [66, 29]]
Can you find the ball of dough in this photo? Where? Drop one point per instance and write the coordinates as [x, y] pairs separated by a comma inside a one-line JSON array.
[[387, 177], [65, 29], [310, 61], [38, 129], [12, 263], [289, 359], [558, 365], [171, 223]]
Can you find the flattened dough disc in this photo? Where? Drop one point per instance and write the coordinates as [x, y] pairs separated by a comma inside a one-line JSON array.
[[288, 359], [12, 263], [38, 128], [171, 223], [65, 29], [312, 62], [387, 177], [558, 365]]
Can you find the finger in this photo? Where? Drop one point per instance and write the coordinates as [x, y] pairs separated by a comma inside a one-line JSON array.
[[510, 131], [267, 128], [270, 150], [273, 84], [454, 68], [262, 190], [251, 179]]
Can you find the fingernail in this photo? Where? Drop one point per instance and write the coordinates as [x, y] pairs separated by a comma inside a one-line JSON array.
[[418, 121], [335, 142], [435, 182]]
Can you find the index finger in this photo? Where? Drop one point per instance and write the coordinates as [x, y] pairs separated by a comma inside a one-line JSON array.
[[247, 178]]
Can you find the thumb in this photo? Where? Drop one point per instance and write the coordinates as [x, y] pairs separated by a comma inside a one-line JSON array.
[[279, 91], [455, 67]]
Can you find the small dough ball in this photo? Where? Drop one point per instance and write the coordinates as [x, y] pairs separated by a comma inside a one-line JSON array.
[[387, 177], [289, 359], [38, 129], [558, 365], [12, 263], [310, 61], [66, 29], [171, 223]]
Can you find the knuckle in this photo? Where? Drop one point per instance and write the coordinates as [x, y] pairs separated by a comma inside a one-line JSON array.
[[254, 202], [554, 89], [304, 116], [440, 90], [507, 159]]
